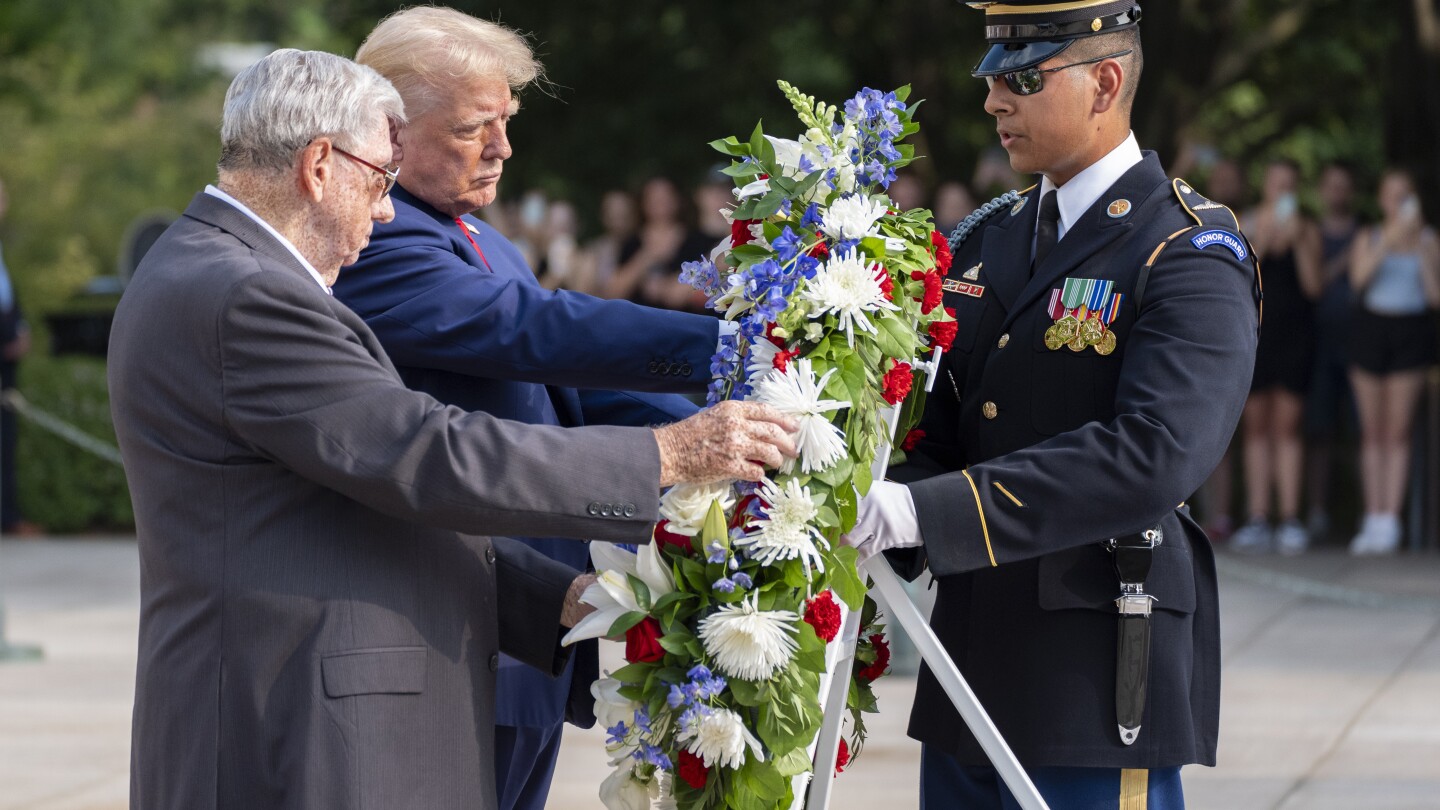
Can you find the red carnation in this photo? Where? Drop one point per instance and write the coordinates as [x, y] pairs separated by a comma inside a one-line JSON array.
[[692, 769], [783, 358], [820, 251], [887, 284], [842, 757], [933, 292], [823, 614], [911, 439], [740, 232], [943, 257], [642, 642], [942, 333], [664, 537], [882, 659], [897, 383]]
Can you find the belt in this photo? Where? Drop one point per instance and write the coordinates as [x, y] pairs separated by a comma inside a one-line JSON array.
[[1132, 555]]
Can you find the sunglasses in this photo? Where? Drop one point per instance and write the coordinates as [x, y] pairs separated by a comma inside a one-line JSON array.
[[389, 175], [1030, 81]]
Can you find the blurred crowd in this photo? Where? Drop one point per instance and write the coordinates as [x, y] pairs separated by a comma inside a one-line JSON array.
[[1351, 276]]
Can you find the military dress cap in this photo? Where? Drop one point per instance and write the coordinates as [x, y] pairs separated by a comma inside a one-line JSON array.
[[1024, 33]]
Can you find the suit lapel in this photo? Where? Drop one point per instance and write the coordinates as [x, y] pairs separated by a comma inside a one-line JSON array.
[[215, 211], [1006, 253], [1094, 230]]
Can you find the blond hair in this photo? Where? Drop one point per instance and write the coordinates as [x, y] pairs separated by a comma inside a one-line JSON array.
[[424, 49]]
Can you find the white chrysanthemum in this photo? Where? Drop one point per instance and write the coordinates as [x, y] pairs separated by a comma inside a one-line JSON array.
[[796, 393], [719, 737], [761, 358], [853, 217], [849, 288], [748, 643], [611, 594], [787, 532], [686, 505]]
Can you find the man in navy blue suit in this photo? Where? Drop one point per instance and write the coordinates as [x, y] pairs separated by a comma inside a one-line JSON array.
[[464, 319]]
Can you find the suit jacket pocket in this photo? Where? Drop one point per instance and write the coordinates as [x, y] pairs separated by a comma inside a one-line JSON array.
[[374, 671], [1084, 578]]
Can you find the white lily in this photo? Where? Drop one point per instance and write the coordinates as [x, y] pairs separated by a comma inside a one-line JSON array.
[[622, 791], [611, 594], [755, 188]]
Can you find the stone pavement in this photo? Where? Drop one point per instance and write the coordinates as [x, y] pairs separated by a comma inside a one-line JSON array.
[[1331, 694]]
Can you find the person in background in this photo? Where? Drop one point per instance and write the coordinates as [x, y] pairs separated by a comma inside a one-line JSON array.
[[649, 271], [1289, 247], [1329, 406], [618, 222], [907, 192], [14, 344], [562, 266], [1395, 272], [1225, 185], [953, 202]]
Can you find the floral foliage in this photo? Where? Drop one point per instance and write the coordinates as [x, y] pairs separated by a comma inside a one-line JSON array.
[[728, 614]]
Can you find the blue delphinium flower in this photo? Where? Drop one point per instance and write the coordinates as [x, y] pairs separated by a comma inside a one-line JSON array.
[[652, 755], [703, 275], [676, 698], [716, 553], [787, 245], [715, 393], [811, 218], [618, 733], [742, 580], [723, 585]]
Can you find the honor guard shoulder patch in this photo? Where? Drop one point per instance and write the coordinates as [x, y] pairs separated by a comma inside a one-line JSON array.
[[1209, 238]]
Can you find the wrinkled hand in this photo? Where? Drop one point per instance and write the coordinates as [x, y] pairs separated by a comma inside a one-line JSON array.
[[885, 519], [732, 440], [574, 609]]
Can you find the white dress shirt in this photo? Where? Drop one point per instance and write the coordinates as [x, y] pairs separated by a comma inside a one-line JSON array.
[[1076, 196], [217, 193]]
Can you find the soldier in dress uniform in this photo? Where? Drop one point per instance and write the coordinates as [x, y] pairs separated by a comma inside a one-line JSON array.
[[1108, 319]]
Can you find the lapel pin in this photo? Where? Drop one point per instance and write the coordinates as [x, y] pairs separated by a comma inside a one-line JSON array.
[[973, 273], [1015, 209], [1119, 208]]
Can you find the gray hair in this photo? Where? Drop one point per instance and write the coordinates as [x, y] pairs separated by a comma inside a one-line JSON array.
[[278, 105], [425, 49]]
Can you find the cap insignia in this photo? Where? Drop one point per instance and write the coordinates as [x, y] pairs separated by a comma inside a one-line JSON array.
[[1095, 24]]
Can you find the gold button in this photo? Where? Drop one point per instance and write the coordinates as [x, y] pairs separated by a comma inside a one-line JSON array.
[[1004, 340], [990, 410]]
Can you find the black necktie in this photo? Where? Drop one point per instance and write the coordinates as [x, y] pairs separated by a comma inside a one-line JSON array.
[[1047, 232]]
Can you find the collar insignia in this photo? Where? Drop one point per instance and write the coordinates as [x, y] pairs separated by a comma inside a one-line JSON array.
[[1119, 208]]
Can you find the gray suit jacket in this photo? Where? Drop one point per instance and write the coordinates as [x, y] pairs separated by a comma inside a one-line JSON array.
[[316, 631]]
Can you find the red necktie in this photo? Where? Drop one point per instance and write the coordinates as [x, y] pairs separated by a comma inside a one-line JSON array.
[[465, 229]]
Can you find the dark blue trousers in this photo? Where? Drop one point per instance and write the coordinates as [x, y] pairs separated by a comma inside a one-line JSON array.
[[524, 765], [948, 785]]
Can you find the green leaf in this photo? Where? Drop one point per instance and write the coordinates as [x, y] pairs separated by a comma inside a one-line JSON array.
[[676, 643], [902, 93], [625, 622], [749, 693], [846, 579], [793, 763], [731, 146], [633, 673], [751, 252], [742, 170], [672, 598], [642, 591], [811, 653], [769, 205]]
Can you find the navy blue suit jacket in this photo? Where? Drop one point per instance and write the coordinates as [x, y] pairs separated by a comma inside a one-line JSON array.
[[479, 332]]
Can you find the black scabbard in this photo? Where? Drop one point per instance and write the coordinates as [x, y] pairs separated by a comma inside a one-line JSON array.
[[1132, 654]]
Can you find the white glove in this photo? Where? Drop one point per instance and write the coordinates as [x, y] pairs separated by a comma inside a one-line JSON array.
[[886, 519]]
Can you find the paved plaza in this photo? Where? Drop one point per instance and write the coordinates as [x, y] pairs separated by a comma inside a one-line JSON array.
[[1331, 693]]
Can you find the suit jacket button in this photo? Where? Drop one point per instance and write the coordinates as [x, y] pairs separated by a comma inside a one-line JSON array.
[[990, 410], [654, 367], [490, 555], [1004, 341], [593, 508], [494, 662], [685, 370], [629, 510]]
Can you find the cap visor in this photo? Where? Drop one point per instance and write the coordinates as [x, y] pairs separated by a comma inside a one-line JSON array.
[[1008, 57]]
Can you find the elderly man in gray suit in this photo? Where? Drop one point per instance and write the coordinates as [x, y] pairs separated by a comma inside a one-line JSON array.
[[318, 627]]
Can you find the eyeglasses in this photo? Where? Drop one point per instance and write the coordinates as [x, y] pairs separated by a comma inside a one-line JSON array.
[[1030, 81], [389, 175]]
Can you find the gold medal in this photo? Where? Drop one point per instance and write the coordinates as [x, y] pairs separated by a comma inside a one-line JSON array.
[[1066, 327], [1091, 331], [1053, 341], [1077, 344], [1106, 344]]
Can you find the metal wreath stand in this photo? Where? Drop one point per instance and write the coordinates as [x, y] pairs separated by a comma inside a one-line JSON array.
[[840, 659]]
